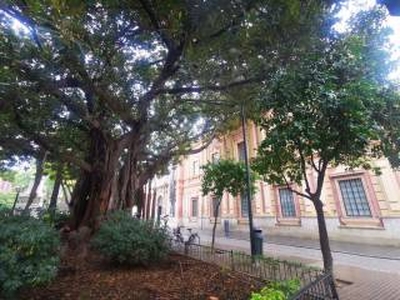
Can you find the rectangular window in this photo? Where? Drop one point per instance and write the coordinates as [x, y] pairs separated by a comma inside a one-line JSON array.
[[241, 151], [354, 198], [195, 208], [195, 167], [215, 157], [288, 208], [244, 205]]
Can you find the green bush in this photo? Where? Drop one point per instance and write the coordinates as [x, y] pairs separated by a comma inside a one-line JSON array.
[[279, 290], [7, 199], [29, 251], [124, 239], [56, 219]]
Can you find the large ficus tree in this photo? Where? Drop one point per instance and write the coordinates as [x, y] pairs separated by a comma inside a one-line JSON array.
[[322, 111], [119, 88]]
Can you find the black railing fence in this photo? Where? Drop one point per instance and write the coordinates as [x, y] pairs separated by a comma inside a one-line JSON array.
[[315, 284], [320, 289]]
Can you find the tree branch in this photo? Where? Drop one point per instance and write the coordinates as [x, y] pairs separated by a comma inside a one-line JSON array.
[[303, 166], [198, 89], [46, 145], [289, 186], [28, 22], [313, 163], [321, 178], [156, 24]]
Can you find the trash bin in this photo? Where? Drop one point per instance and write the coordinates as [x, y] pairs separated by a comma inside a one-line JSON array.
[[258, 241], [226, 228]]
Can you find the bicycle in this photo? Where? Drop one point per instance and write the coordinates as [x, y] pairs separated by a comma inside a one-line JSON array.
[[193, 237], [164, 220], [179, 238]]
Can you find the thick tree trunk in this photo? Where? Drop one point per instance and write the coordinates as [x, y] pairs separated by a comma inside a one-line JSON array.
[[38, 177], [323, 236], [139, 199], [153, 205], [56, 190], [148, 201], [66, 197], [79, 198], [123, 182], [131, 188], [114, 201], [93, 190]]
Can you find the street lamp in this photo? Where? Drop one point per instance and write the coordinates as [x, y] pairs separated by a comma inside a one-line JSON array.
[[17, 190], [248, 182]]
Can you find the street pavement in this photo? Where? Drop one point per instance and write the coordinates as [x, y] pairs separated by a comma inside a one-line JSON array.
[[363, 271]]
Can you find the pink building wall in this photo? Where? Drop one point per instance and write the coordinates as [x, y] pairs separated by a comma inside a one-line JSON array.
[[382, 193], [5, 186]]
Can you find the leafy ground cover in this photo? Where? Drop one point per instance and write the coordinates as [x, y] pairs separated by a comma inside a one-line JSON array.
[[179, 277]]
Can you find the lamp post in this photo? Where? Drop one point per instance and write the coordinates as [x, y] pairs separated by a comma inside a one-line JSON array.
[[248, 182], [18, 190]]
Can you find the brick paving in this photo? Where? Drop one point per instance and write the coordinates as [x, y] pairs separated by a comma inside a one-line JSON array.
[[362, 274], [367, 284]]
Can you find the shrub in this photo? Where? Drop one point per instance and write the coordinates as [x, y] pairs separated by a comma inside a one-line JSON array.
[[279, 290], [28, 252], [7, 199], [4, 211], [124, 239], [56, 219]]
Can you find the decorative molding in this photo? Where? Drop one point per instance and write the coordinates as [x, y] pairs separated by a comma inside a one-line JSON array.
[[280, 220], [344, 220]]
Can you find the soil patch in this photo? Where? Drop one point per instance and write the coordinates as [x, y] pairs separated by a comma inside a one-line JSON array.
[[179, 277]]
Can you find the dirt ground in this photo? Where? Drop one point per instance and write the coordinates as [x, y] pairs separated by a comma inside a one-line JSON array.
[[179, 277]]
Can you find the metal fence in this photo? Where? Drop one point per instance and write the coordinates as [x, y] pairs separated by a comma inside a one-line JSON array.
[[314, 282], [322, 288]]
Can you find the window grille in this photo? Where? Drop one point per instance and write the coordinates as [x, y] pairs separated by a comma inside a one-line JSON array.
[[244, 205], [195, 208], [241, 151], [215, 157], [288, 208], [354, 198]]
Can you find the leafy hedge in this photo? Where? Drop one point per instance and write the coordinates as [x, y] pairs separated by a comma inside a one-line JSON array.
[[56, 219], [29, 252], [124, 239], [279, 290], [7, 199]]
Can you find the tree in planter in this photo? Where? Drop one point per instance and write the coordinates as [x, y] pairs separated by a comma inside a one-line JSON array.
[[224, 176], [323, 112]]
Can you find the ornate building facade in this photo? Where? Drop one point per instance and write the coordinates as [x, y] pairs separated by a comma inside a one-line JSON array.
[[359, 205]]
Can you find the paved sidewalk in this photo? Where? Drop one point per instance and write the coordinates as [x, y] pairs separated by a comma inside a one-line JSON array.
[[362, 276], [388, 252]]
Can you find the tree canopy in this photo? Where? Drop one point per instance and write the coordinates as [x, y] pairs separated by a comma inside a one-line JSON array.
[[329, 107], [225, 176], [117, 89], [332, 106]]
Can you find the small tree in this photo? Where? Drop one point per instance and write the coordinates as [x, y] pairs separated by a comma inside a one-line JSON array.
[[224, 176], [323, 112]]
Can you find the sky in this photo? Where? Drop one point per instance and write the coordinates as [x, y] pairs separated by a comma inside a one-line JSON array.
[[353, 6]]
